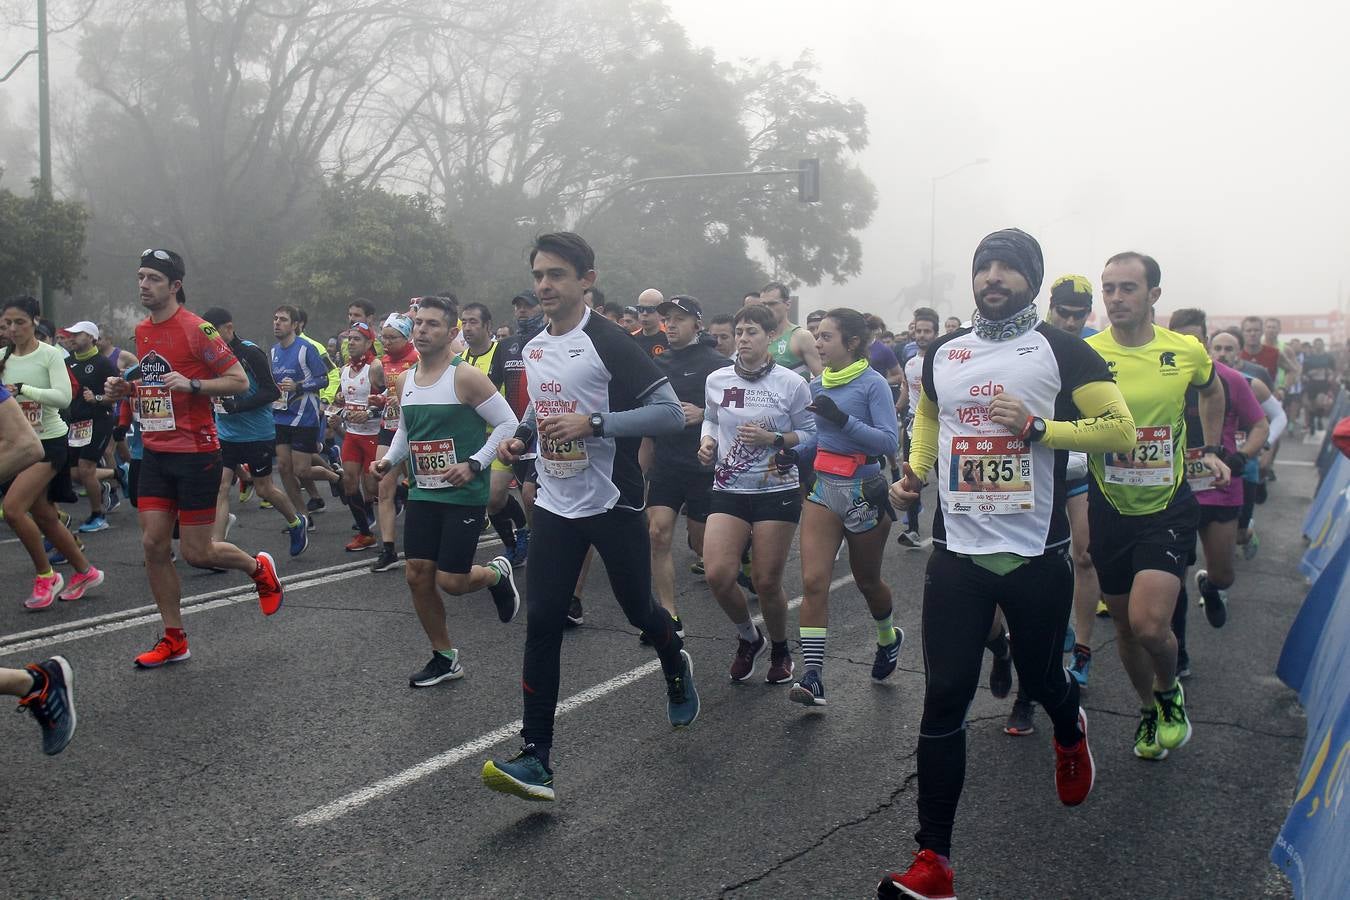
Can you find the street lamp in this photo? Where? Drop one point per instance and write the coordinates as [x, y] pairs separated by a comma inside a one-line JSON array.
[[932, 223]]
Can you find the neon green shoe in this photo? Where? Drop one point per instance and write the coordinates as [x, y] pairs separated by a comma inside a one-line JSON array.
[[1174, 728], [1146, 744]]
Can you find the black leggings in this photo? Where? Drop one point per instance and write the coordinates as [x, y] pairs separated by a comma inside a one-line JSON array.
[[556, 553], [958, 608]]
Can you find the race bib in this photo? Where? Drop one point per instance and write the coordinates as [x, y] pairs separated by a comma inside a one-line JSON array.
[[32, 411], [391, 413], [990, 475], [431, 461], [563, 459], [218, 406], [283, 401], [81, 433], [1197, 476], [1149, 463], [154, 407]]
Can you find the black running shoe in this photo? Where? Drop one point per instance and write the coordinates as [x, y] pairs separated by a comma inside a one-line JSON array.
[[1000, 676], [574, 616], [316, 505], [437, 670], [387, 560], [52, 702], [504, 593]]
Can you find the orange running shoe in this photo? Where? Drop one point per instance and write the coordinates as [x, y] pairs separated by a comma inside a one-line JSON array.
[[361, 542], [270, 593], [166, 650]]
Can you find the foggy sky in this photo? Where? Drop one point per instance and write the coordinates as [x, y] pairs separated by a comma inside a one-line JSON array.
[[1213, 136]]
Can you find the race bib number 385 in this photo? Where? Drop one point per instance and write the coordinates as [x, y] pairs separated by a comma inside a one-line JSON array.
[[431, 462], [990, 475], [1148, 463]]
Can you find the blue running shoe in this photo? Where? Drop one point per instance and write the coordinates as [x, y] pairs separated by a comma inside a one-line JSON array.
[[682, 696], [883, 664], [522, 551], [94, 523], [523, 775], [1081, 667], [299, 537], [52, 702], [124, 477], [810, 691]]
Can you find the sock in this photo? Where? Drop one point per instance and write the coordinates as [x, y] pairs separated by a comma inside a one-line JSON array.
[[293, 522], [388, 546], [450, 654], [886, 629], [778, 648], [541, 754], [812, 642], [176, 634], [1083, 650], [496, 571], [1211, 592], [360, 513], [46, 574], [748, 631], [514, 510], [999, 646], [1170, 692], [504, 526]]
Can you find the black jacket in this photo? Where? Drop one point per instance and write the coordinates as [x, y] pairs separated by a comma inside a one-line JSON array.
[[687, 369]]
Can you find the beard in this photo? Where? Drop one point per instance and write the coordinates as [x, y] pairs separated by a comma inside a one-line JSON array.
[[1001, 307]]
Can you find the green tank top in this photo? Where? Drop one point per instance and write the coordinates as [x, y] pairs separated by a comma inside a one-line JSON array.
[[442, 432], [783, 354]]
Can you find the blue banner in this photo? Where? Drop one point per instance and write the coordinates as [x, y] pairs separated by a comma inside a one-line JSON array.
[[1316, 522]]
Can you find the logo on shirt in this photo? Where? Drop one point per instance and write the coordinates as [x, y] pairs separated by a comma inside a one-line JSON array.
[[733, 397], [1023, 351], [960, 354], [988, 389], [574, 352], [537, 353], [154, 367], [657, 350], [1167, 359], [209, 330]]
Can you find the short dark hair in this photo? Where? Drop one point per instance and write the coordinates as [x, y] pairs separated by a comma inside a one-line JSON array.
[[722, 319], [1257, 319], [749, 294], [853, 325], [816, 314], [597, 296], [757, 315], [483, 312], [26, 304], [301, 316], [776, 286], [613, 309], [366, 306], [447, 305], [1189, 317], [291, 312], [218, 316], [569, 246], [874, 323], [1152, 272], [927, 314]]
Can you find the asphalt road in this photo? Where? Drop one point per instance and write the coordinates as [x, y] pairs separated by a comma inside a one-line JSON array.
[[289, 756]]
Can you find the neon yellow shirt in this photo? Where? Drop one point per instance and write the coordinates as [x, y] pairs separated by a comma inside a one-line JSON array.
[[1153, 379]]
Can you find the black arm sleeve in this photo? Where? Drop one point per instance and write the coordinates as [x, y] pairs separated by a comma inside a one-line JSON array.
[[259, 368]]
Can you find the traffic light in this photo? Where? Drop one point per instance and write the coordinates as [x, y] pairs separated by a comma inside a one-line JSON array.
[[808, 180]]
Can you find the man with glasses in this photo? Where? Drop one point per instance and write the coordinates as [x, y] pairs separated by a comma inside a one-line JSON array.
[[1071, 304], [652, 336]]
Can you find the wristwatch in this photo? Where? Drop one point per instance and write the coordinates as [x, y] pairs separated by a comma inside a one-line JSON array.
[[196, 385], [1036, 431], [597, 424], [1212, 449], [778, 440], [475, 466]]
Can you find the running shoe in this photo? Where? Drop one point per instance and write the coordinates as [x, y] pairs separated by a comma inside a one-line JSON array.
[[1081, 667], [523, 775], [1070, 639], [886, 658], [440, 668], [45, 590], [52, 702], [910, 540], [682, 696], [696, 567], [1216, 610], [1020, 720], [679, 631], [316, 506], [56, 557], [521, 551], [388, 559], [1000, 675], [299, 536], [743, 579], [270, 592], [361, 542], [245, 491], [166, 650], [1174, 727], [80, 583], [1102, 611], [810, 691], [94, 523], [264, 504], [1146, 744], [105, 491], [124, 477], [1075, 772], [64, 517], [575, 617], [780, 666], [747, 652], [230, 520], [114, 499], [1249, 549], [929, 877], [504, 593]]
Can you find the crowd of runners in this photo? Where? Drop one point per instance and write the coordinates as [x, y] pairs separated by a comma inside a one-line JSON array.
[[1079, 475]]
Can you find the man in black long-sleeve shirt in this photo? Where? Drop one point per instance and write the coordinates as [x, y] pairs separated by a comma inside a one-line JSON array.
[[248, 436], [91, 421]]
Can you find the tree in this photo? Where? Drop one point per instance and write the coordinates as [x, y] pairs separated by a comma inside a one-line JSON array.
[[43, 239], [373, 244]]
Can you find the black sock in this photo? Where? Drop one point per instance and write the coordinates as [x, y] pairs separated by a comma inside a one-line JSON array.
[[999, 645], [360, 513], [388, 546], [541, 754], [778, 648], [515, 511], [502, 524]]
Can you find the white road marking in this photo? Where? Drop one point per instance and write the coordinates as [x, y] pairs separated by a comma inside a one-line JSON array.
[[359, 798], [1295, 462]]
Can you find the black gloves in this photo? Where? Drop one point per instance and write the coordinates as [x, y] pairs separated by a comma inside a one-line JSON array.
[[826, 409]]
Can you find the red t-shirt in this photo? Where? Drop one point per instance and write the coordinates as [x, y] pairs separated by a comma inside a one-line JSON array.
[[177, 421], [1268, 358]]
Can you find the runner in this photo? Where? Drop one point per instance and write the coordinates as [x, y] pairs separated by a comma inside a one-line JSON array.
[[441, 428], [35, 375], [813, 319], [951, 324], [399, 356], [855, 428], [791, 346], [652, 334], [677, 479], [322, 465], [722, 329], [1002, 401], [300, 372], [358, 410], [925, 330], [248, 436], [183, 363], [91, 422], [594, 395], [1143, 515], [755, 413], [361, 312]]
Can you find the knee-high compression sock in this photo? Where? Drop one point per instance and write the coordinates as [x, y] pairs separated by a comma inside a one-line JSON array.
[[360, 510], [515, 511], [812, 642], [504, 526]]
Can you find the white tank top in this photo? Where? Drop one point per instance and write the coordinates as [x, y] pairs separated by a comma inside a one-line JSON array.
[[356, 395]]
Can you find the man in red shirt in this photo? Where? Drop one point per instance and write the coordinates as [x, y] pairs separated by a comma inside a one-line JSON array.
[[183, 363], [1269, 356]]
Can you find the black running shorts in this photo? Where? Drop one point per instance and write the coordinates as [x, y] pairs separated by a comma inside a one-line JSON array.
[[446, 533], [775, 506], [677, 489], [1122, 546]]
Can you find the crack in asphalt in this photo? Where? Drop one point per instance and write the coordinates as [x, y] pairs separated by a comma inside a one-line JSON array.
[[1235, 725]]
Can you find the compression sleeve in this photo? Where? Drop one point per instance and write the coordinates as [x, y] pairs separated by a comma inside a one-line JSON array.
[[497, 413], [660, 413], [398, 447], [1106, 426], [923, 446], [1278, 420]]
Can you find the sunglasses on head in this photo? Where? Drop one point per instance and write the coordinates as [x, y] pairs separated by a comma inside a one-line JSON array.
[[157, 254], [1072, 312]]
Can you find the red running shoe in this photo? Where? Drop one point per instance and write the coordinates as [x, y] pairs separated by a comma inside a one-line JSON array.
[[360, 542], [270, 593], [1075, 771], [166, 650], [929, 878]]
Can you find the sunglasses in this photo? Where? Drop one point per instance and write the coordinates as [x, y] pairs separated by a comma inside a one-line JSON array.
[[1069, 312], [157, 254], [648, 309]]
